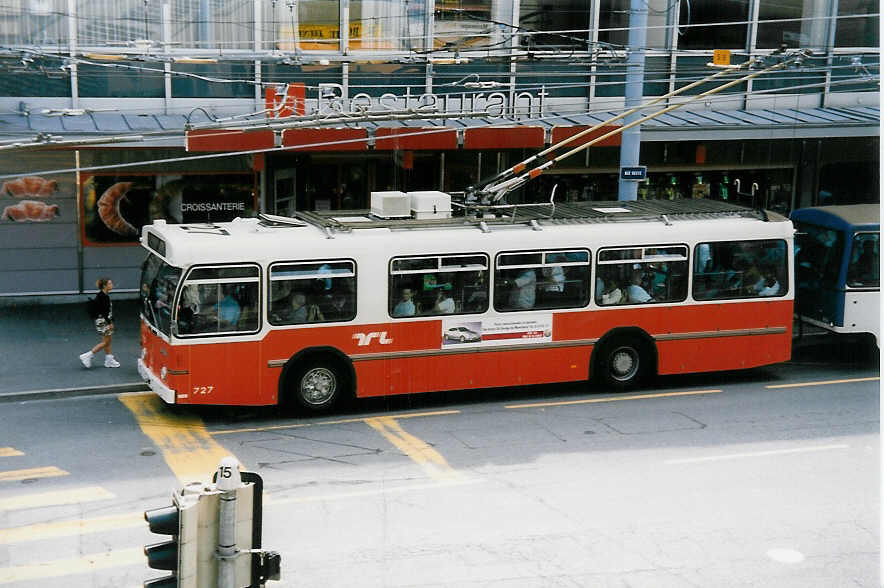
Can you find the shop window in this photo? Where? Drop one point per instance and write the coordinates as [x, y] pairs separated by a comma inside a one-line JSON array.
[[853, 29], [218, 300], [314, 25], [312, 292], [554, 24], [387, 25], [799, 23], [740, 269], [614, 22], [143, 80], [642, 275], [184, 86], [703, 24], [438, 285]]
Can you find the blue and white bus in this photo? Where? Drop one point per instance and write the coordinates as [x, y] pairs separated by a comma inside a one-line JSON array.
[[837, 268]]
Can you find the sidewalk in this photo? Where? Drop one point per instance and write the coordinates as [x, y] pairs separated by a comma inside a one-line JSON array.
[[40, 344]]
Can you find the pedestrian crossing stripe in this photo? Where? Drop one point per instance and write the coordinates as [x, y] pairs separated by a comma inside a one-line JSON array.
[[9, 452], [56, 529], [55, 498], [72, 566], [28, 474]]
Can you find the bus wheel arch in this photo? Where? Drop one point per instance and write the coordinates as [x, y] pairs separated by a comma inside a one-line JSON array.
[[315, 379], [623, 358]]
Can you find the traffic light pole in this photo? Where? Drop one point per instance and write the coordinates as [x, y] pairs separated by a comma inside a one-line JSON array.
[[228, 481]]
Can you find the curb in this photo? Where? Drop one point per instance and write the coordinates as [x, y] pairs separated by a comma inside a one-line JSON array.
[[73, 392]]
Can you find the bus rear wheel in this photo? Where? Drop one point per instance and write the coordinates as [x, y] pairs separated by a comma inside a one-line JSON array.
[[317, 385], [624, 363]]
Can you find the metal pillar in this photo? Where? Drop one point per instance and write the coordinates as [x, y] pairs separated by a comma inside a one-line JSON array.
[[635, 72]]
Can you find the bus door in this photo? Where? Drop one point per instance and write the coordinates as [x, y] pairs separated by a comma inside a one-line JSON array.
[[218, 312], [819, 259]]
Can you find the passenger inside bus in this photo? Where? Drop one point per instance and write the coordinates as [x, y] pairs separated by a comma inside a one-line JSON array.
[[405, 306], [522, 290], [635, 292], [228, 310], [444, 303]]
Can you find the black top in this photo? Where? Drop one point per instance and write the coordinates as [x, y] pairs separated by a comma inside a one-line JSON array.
[[103, 306]]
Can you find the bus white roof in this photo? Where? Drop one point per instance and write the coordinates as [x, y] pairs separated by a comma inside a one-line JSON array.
[[337, 235]]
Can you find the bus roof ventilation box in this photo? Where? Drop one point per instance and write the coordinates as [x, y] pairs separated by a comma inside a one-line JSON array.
[[393, 204], [430, 204]]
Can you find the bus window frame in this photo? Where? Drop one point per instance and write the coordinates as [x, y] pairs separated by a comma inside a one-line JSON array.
[[784, 288], [645, 260], [183, 282], [543, 253], [314, 276], [439, 269], [848, 254]]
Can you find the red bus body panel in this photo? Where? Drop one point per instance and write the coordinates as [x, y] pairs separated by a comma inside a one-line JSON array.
[[408, 356]]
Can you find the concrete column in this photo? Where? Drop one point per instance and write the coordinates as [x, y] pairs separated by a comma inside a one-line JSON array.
[[635, 73]]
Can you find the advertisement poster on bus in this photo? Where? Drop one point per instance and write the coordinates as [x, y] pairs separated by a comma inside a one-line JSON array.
[[115, 207], [495, 331]]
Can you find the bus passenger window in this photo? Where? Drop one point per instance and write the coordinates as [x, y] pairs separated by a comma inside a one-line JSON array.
[[438, 285], [864, 270], [740, 269], [542, 280], [312, 292], [219, 300], [642, 275]]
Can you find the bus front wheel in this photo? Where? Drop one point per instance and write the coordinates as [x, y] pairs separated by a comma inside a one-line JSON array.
[[316, 386], [624, 363]]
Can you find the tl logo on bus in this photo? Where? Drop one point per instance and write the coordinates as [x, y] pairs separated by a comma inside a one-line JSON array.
[[366, 338]]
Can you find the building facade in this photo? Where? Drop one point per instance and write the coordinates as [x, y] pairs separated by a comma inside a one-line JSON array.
[[116, 113]]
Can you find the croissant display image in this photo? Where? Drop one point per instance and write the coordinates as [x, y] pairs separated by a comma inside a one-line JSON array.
[[30, 210], [109, 209], [29, 187]]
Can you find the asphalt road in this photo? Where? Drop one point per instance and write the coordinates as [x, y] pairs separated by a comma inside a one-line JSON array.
[[768, 477]]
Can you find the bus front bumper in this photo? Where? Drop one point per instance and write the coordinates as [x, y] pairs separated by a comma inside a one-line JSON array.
[[156, 384]]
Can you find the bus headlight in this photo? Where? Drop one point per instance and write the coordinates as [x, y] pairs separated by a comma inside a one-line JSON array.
[[163, 373]]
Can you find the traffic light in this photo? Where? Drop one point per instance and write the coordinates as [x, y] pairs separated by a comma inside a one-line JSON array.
[[178, 554], [215, 534]]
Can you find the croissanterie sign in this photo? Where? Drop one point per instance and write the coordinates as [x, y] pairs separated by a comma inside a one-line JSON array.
[[116, 207]]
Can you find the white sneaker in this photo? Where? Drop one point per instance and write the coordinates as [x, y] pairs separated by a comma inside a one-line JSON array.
[[86, 359], [109, 361]]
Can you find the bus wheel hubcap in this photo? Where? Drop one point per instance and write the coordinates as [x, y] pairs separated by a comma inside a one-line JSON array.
[[318, 385], [624, 363]]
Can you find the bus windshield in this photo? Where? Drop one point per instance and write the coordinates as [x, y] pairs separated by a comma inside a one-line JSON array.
[[158, 283]]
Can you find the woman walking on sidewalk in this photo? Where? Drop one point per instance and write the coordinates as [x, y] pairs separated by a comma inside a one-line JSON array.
[[104, 324]]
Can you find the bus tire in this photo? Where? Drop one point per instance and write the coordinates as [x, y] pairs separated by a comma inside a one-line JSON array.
[[316, 385], [624, 362]]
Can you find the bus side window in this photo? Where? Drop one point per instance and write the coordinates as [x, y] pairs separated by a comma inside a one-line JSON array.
[[219, 300], [864, 269], [312, 292], [642, 275], [438, 285], [740, 269]]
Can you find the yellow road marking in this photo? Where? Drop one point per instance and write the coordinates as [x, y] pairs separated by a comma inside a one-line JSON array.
[[187, 447], [56, 498], [9, 452], [47, 472], [613, 399], [824, 383], [44, 531], [73, 565], [335, 422], [422, 453]]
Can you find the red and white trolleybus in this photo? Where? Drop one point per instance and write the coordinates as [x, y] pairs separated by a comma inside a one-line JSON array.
[[305, 310]]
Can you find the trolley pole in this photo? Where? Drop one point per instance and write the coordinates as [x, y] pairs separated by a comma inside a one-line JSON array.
[[228, 482]]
